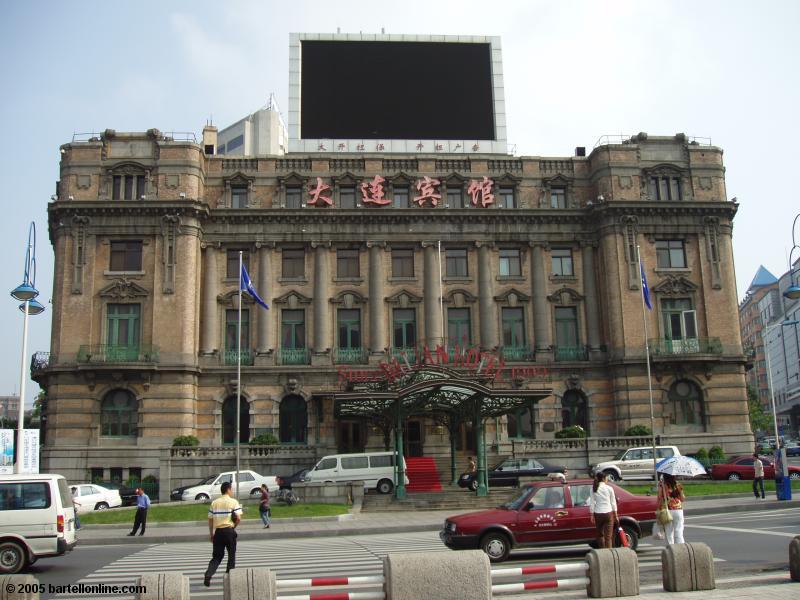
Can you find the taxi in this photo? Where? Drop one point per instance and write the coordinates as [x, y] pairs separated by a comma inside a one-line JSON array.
[[547, 513]]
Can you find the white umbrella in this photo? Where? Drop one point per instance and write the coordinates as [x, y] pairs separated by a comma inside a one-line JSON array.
[[681, 466]]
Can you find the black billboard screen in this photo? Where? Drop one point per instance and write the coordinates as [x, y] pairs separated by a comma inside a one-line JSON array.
[[396, 90]]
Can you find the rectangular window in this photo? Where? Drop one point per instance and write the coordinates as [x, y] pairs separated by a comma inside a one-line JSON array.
[[24, 496], [97, 474], [566, 327], [238, 196], [123, 325], [294, 197], [404, 328], [562, 262], [665, 188], [126, 256], [558, 197], [400, 199], [347, 197], [507, 199], [456, 262], [235, 142], [232, 263], [680, 321], [382, 460], [402, 262], [349, 328], [293, 263], [347, 263], [293, 329], [127, 187], [513, 327], [510, 262], [458, 327], [455, 197], [355, 462], [135, 474], [231, 326], [670, 254]]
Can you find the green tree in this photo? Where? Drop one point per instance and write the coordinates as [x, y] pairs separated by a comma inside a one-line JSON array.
[[759, 420]]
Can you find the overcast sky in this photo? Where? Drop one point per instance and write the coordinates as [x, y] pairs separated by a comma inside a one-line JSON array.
[[574, 71]]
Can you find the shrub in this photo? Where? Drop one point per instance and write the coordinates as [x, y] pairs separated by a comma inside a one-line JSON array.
[[702, 457], [186, 440], [573, 431], [264, 439], [638, 430], [716, 454]]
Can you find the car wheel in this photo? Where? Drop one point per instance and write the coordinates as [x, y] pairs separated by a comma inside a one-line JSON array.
[[385, 486], [473, 485], [12, 558], [734, 477], [612, 476], [633, 537], [101, 506], [496, 546], [794, 475], [255, 492], [202, 498]]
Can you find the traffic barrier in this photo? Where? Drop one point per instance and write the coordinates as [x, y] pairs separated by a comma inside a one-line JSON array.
[[462, 575], [10, 586], [687, 568], [301, 584], [249, 584], [169, 585], [579, 568], [613, 572], [794, 558]]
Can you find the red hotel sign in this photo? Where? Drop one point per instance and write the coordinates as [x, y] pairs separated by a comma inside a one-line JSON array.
[[472, 359]]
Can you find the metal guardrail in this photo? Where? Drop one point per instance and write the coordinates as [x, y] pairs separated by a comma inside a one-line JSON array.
[[577, 568], [350, 356], [230, 357], [571, 353], [246, 450], [109, 353], [294, 356], [705, 345]]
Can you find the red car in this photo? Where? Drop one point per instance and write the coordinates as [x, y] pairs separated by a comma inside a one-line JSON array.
[[741, 467], [545, 513]]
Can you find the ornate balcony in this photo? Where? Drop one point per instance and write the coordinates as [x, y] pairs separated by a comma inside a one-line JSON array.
[[294, 356], [571, 353], [229, 357], [402, 354], [689, 346], [517, 353], [350, 356], [108, 353]]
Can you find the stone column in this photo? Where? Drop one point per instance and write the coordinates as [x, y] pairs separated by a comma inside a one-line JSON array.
[[321, 340], [590, 302], [210, 343], [432, 292], [487, 307], [377, 306], [264, 349], [541, 315]]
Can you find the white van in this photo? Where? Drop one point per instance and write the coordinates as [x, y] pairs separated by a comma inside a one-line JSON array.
[[37, 519], [375, 469]]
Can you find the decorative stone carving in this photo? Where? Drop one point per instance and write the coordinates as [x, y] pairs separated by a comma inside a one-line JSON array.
[[460, 298], [404, 299], [573, 382], [123, 289], [673, 285], [625, 182], [512, 298], [565, 296], [292, 299], [349, 299]]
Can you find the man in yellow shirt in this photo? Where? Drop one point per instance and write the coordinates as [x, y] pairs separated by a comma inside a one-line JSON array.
[[223, 517]]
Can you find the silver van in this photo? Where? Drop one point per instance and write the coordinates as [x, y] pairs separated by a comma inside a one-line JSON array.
[[37, 518]]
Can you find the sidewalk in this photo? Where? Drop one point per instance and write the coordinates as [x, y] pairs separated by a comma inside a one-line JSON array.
[[360, 523]]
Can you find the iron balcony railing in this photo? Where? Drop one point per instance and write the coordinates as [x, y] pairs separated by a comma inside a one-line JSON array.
[[517, 353], [351, 356], [108, 353], [230, 357], [294, 356], [664, 347], [568, 353], [407, 353], [40, 361]]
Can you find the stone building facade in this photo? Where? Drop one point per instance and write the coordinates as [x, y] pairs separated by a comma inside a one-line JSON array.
[[367, 257]]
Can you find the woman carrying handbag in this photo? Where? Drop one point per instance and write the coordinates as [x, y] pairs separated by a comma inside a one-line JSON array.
[[671, 496]]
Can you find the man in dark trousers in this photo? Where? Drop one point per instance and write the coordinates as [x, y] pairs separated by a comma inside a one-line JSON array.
[[142, 504], [223, 517]]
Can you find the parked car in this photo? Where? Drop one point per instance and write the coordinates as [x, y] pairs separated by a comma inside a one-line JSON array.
[[177, 493], [127, 494], [508, 472], [545, 513], [91, 496], [634, 463], [792, 448], [249, 483], [285, 481], [741, 467]]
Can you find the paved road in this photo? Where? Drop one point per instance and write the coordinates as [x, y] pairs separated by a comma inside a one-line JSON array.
[[753, 542]]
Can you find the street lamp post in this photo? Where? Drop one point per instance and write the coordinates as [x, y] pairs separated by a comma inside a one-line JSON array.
[[26, 292]]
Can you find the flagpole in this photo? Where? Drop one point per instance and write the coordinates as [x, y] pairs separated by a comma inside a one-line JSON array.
[[647, 357], [238, 376]]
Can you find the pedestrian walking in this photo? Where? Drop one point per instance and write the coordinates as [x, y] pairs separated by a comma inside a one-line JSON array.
[[758, 476], [223, 517], [263, 506], [472, 468], [142, 505], [670, 490], [603, 508]]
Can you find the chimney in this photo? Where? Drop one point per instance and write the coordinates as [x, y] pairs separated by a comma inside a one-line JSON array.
[[210, 140], [580, 151]]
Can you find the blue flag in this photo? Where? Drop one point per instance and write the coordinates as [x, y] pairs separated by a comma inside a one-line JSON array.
[[247, 286], [645, 287]]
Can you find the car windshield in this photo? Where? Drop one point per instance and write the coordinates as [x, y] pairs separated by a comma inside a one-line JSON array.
[[518, 501], [207, 480], [619, 455]]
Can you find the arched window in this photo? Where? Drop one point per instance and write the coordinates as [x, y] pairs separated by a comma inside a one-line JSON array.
[[229, 420], [686, 401], [293, 420], [118, 414], [574, 410]]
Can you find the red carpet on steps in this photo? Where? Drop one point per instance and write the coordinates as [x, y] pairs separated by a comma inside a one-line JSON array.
[[422, 475]]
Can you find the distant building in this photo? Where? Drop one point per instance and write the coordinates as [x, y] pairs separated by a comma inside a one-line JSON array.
[[9, 408], [751, 324]]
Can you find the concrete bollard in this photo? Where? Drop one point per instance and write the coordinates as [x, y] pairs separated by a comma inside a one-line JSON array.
[[794, 558], [168, 585], [613, 573], [688, 568], [11, 584], [250, 584], [462, 575]]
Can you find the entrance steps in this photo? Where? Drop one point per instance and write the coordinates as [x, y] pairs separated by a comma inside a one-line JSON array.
[[451, 498], [422, 475]]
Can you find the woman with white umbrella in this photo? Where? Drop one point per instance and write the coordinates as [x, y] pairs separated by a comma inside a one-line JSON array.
[[671, 492]]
